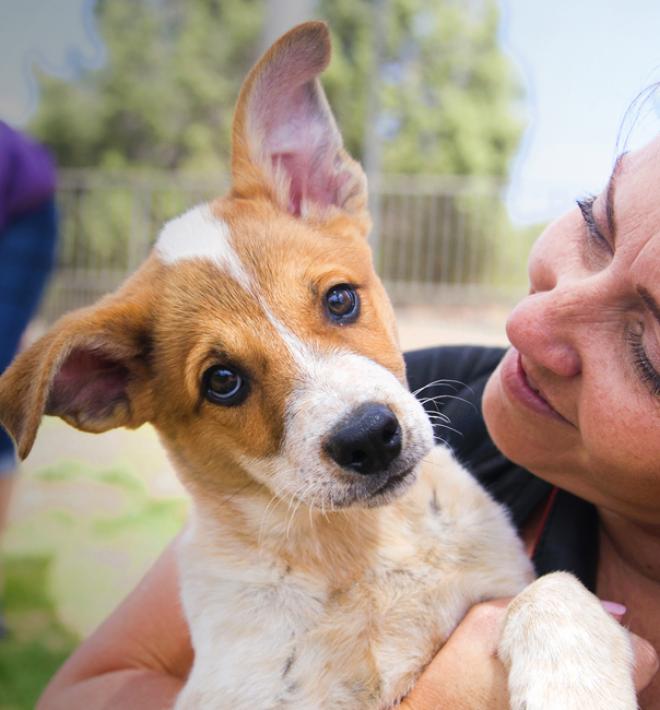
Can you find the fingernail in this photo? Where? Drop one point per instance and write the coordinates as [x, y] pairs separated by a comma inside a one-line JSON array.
[[614, 608]]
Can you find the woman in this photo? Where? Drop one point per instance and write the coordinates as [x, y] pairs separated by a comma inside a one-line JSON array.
[[576, 401]]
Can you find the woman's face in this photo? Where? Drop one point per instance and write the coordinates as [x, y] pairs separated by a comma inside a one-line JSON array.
[[577, 398]]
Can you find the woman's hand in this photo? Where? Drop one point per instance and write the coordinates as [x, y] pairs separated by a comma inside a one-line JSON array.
[[466, 674]]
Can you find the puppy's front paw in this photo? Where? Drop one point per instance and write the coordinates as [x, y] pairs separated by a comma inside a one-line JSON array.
[[563, 651]]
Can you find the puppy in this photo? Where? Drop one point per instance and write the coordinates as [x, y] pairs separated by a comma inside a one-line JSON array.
[[331, 549]]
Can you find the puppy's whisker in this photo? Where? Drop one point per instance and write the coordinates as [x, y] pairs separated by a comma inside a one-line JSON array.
[[293, 502], [291, 517], [439, 425], [228, 498], [275, 498], [438, 417], [297, 498], [439, 383], [312, 517], [457, 399], [440, 397]]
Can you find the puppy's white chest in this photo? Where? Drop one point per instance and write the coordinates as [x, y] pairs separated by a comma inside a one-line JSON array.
[[355, 629], [301, 640]]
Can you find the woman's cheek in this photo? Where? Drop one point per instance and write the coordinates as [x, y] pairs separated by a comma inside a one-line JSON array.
[[621, 447]]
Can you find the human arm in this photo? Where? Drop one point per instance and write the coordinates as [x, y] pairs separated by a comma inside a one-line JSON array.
[[138, 658]]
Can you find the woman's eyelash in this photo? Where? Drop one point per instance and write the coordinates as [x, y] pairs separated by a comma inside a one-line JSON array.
[[586, 208], [647, 372]]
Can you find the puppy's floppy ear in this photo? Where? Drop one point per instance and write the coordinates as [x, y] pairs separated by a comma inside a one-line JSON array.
[[91, 369], [286, 145]]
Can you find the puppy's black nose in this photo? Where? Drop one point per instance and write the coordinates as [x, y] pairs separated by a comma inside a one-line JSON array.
[[367, 441]]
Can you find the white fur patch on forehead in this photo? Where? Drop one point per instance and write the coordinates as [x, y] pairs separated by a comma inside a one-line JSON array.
[[300, 353], [199, 234]]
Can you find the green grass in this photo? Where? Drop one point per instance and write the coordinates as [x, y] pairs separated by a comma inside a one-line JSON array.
[[69, 561], [37, 643]]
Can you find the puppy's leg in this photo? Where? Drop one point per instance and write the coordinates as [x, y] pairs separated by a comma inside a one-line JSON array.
[[563, 651]]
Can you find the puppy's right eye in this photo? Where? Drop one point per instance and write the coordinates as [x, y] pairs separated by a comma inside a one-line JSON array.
[[342, 304], [224, 385]]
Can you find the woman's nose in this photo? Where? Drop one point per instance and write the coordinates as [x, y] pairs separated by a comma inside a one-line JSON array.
[[542, 269], [542, 327]]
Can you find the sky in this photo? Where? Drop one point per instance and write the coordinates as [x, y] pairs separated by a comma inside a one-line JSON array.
[[58, 36], [582, 63]]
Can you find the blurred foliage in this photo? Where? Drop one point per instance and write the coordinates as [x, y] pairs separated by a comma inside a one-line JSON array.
[[158, 115], [449, 96], [99, 529], [164, 100], [68, 564], [37, 643]]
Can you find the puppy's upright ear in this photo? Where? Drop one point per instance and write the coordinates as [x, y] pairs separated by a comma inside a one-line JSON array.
[[286, 145], [91, 369]]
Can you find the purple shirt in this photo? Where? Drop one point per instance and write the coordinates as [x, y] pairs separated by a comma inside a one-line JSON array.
[[27, 174]]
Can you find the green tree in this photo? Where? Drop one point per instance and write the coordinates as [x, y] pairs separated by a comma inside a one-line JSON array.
[[448, 96], [164, 99]]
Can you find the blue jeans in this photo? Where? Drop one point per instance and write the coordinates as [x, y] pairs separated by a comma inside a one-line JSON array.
[[27, 256]]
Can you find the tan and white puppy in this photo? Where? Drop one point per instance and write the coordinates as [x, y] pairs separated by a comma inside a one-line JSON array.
[[332, 548]]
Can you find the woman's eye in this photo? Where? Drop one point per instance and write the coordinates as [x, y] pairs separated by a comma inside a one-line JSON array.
[[586, 207], [342, 303], [647, 372], [224, 385]]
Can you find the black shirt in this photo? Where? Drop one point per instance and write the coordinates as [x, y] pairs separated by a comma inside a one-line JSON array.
[[450, 381]]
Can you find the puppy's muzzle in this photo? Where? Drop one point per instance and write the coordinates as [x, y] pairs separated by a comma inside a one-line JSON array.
[[367, 441]]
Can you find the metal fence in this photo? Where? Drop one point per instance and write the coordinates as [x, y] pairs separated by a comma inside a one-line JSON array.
[[436, 239]]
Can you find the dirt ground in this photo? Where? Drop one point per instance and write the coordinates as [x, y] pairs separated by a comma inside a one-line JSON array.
[[421, 327]]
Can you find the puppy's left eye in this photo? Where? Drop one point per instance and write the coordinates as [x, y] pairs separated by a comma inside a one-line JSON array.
[[224, 385], [342, 303]]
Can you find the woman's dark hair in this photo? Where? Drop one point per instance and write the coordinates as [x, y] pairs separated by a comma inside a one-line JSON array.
[[648, 100]]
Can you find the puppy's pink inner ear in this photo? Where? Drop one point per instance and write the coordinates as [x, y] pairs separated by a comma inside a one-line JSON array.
[[321, 187], [300, 138], [88, 385]]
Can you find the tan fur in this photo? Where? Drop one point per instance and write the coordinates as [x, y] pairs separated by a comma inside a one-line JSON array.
[[300, 589]]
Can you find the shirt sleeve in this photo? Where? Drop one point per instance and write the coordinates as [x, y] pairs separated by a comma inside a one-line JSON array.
[[450, 382], [27, 174]]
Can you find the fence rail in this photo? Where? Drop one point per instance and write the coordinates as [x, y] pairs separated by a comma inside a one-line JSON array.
[[437, 239]]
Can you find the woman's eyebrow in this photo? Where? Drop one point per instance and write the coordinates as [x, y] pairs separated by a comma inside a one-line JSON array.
[[609, 196], [649, 302]]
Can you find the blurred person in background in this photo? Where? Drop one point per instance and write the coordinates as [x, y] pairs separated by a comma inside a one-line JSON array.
[[28, 229]]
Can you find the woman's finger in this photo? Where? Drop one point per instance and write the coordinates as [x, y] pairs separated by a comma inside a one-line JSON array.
[[646, 662]]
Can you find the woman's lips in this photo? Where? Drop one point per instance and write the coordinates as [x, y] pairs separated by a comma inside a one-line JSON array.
[[523, 389]]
